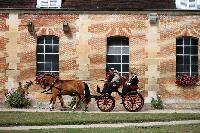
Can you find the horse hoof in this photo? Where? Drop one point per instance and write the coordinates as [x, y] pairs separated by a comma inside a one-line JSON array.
[[51, 109]]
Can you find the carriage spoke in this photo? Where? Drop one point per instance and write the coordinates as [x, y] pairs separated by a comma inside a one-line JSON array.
[[106, 103], [133, 102]]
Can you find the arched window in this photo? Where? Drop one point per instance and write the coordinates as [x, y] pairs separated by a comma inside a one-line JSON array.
[[48, 55], [187, 56], [118, 54]]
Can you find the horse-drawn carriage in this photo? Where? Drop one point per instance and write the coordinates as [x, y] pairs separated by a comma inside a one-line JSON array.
[[132, 101]]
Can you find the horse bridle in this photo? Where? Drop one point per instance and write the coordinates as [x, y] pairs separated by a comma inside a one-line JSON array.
[[44, 84]]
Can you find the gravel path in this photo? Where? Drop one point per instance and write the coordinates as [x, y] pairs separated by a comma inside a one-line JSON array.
[[143, 124]]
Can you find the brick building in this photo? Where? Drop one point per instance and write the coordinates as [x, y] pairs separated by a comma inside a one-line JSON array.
[[149, 37]]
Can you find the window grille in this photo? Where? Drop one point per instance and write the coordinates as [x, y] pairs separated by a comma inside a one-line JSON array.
[[48, 55], [187, 56], [118, 54]]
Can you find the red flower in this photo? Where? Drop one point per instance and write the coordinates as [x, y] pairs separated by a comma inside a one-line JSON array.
[[186, 80]]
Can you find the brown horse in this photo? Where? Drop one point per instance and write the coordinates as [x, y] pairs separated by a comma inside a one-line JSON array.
[[58, 88]]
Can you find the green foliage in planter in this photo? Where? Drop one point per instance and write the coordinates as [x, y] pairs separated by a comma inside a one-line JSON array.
[[17, 100], [157, 103]]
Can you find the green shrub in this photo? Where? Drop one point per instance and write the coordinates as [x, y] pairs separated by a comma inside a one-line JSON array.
[[17, 100], [157, 103]]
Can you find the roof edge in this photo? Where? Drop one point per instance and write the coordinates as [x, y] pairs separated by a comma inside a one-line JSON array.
[[101, 11]]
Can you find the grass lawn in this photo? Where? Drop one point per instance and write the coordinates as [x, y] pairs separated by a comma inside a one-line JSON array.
[[154, 129], [66, 118]]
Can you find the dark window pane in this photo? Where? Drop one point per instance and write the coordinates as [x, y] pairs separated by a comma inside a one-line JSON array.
[[179, 50], [187, 50], [117, 41], [179, 68], [113, 59], [186, 59], [48, 48], [116, 66], [55, 58], [194, 41], [125, 59], [114, 41], [186, 41], [194, 59], [48, 40], [194, 68], [179, 59], [52, 58], [40, 58], [109, 41], [48, 58], [125, 50], [186, 68], [40, 48], [179, 41], [114, 50], [55, 49], [125, 67], [40, 40], [55, 67], [125, 42], [48, 66], [194, 49], [40, 66], [55, 40]]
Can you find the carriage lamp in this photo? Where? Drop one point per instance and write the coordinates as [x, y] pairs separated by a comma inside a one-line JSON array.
[[65, 27], [153, 18], [31, 27]]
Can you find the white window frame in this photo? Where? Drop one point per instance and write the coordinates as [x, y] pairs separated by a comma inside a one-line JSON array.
[[121, 55], [44, 53], [49, 3], [184, 54]]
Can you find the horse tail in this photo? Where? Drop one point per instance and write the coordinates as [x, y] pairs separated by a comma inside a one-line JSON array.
[[87, 93]]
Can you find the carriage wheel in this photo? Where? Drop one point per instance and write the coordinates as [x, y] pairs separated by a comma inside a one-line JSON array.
[[133, 102], [106, 103]]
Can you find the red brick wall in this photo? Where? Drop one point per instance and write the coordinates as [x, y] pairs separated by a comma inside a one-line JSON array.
[[46, 24], [172, 27], [117, 25], [3, 65], [102, 26]]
